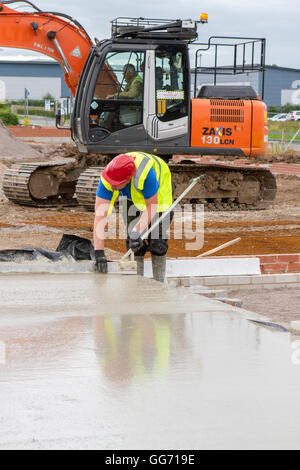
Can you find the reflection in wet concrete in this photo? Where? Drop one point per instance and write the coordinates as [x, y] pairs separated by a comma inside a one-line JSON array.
[[190, 380], [140, 347]]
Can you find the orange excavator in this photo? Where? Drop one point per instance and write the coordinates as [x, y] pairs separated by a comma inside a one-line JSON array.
[[133, 92]]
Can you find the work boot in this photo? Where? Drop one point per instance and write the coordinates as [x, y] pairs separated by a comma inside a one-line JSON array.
[[159, 264], [140, 265]]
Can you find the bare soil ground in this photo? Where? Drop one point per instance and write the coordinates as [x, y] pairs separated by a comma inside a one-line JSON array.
[[276, 230], [281, 305]]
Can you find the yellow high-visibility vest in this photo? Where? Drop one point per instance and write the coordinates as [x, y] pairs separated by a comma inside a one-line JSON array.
[[139, 80], [144, 162]]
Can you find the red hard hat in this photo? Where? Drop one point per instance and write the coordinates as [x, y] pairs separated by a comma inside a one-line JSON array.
[[120, 170]]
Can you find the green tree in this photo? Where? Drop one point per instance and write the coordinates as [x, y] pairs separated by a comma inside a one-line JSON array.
[[48, 96], [273, 109], [287, 108]]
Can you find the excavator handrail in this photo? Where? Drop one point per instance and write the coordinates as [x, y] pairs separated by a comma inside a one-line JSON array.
[[48, 33]]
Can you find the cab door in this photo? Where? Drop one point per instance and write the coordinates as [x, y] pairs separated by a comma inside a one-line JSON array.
[[110, 112], [166, 108], [117, 102]]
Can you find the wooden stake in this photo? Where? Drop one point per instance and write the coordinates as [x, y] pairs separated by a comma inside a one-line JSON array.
[[219, 248]]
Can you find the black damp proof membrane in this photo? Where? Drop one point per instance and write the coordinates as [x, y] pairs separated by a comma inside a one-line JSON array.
[[275, 326], [70, 247]]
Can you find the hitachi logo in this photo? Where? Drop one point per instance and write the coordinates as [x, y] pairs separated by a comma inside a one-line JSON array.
[[221, 131]]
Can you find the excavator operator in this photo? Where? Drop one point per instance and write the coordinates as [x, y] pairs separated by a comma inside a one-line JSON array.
[[132, 91], [145, 182], [134, 84]]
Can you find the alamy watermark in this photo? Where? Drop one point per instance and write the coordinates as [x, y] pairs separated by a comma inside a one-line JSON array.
[[295, 357], [2, 353], [187, 224]]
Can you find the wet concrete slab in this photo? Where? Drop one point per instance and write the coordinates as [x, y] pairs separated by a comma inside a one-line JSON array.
[[120, 362]]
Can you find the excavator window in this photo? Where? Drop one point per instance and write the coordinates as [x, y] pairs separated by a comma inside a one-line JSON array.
[[118, 96], [171, 84]]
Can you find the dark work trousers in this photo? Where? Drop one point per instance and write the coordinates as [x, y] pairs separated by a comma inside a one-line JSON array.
[[157, 241]]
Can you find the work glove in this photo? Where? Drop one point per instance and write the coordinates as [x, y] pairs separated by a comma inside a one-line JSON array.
[[100, 265], [135, 241]]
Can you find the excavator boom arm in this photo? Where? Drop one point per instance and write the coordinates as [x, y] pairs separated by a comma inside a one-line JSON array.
[[53, 34]]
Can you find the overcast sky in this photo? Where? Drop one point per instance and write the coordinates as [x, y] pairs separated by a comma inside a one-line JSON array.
[[276, 20]]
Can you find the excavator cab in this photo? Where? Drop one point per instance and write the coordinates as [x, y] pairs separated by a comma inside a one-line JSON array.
[[138, 91]]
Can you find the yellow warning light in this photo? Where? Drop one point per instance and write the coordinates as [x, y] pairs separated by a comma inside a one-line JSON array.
[[203, 18]]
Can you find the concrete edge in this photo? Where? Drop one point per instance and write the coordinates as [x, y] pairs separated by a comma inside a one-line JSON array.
[[60, 267], [86, 267], [263, 321]]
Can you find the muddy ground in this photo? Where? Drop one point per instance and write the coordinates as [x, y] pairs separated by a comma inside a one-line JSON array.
[[276, 230]]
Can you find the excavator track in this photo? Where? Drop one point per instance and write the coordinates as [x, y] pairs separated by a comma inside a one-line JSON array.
[[226, 188], [38, 184], [87, 186]]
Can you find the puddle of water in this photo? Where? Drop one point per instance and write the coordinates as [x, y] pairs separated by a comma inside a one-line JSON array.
[[141, 380]]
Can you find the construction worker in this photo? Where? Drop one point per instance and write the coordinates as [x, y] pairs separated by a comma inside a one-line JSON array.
[[146, 183]]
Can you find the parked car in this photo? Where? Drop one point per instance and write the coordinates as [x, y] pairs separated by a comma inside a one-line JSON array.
[[294, 116], [279, 117]]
